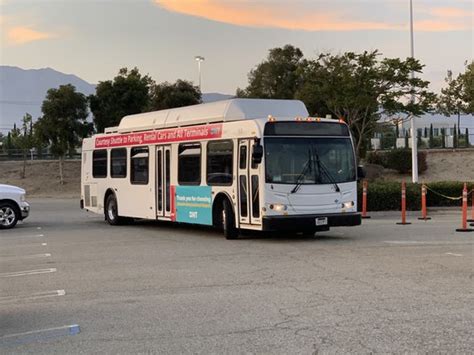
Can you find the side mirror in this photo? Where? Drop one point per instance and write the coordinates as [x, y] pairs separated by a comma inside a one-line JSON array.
[[360, 172], [257, 153]]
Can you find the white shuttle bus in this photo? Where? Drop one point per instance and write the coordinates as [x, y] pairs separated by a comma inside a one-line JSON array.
[[235, 164]]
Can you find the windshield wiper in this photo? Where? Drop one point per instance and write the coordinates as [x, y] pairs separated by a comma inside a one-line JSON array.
[[307, 168], [325, 170]]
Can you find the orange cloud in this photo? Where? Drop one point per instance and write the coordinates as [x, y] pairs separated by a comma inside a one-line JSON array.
[[247, 13], [22, 35], [292, 16], [450, 12]]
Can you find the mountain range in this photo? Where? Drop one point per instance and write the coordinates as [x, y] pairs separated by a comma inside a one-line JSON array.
[[23, 91]]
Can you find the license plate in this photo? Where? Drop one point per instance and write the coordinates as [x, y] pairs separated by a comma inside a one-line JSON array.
[[321, 221]]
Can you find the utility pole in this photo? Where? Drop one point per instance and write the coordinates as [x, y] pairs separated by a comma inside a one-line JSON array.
[[414, 148], [199, 59]]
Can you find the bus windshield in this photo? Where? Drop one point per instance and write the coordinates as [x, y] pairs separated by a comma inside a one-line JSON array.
[[292, 160]]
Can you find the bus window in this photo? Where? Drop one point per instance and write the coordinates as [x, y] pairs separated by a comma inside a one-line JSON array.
[[99, 163], [139, 165], [118, 163], [189, 164], [219, 163]]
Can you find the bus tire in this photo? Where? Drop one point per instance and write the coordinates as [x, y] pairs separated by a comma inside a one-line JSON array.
[[228, 221], [111, 211], [9, 214]]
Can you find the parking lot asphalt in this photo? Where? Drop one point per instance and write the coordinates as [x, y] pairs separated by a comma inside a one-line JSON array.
[[70, 283]]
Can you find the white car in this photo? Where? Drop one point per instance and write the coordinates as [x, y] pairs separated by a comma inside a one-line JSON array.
[[13, 206]]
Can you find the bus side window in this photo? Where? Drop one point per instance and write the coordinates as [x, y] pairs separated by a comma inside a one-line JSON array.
[[99, 163], [219, 163], [189, 164], [118, 163], [139, 165]]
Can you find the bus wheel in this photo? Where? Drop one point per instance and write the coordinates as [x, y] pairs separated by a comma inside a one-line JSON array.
[[111, 211], [228, 221]]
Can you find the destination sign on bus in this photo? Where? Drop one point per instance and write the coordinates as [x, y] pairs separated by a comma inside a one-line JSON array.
[[161, 136]]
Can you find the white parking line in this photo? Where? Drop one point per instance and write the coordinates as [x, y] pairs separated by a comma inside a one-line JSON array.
[[415, 242], [22, 236], [453, 254], [38, 335], [44, 244], [16, 257], [32, 296], [28, 272]]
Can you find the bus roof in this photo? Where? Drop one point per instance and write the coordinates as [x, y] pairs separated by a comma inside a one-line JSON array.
[[219, 111]]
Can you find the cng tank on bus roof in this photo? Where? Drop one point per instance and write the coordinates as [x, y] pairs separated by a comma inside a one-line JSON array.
[[218, 111]]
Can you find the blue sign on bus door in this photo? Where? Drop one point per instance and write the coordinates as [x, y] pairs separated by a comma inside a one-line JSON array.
[[194, 204]]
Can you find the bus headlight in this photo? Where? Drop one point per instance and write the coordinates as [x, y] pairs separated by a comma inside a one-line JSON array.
[[278, 207], [348, 204]]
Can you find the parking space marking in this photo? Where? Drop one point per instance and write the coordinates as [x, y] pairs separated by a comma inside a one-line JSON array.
[[44, 244], [23, 236], [28, 272], [19, 257], [415, 242], [453, 254], [39, 335], [33, 296]]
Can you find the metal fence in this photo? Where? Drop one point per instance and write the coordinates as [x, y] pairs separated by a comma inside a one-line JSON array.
[[34, 154]]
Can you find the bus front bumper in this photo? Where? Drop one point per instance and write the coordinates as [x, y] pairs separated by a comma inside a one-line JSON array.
[[299, 223]]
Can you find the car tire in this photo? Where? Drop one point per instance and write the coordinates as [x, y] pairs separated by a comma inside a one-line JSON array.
[[9, 215], [228, 221], [111, 211]]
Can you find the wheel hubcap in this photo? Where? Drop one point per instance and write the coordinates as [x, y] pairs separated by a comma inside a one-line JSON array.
[[224, 219], [111, 211], [7, 216]]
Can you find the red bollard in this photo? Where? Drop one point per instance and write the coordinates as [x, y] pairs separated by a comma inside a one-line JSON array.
[[424, 213], [364, 200], [464, 212], [404, 205]]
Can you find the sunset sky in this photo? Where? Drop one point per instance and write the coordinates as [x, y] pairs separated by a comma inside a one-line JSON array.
[[93, 39]]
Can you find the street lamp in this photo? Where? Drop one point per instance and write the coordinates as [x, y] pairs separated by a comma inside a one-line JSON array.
[[414, 148], [199, 59]]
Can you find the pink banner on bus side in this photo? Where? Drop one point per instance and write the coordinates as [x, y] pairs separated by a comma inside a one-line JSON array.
[[162, 136]]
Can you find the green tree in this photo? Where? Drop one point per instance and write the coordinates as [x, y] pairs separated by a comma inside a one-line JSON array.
[[453, 99], [167, 95], [277, 77], [360, 88], [23, 139], [128, 93], [64, 122], [431, 139], [455, 137]]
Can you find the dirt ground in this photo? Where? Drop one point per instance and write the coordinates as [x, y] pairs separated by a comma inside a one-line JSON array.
[[442, 166], [42, 177]]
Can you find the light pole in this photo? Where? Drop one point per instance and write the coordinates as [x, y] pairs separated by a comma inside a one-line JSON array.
[[199, 59], [414, 148]]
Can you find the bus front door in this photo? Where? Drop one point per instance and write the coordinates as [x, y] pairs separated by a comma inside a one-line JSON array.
[[248, 182], [163, 187]]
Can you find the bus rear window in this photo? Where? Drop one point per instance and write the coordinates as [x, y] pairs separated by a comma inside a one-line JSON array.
[[99, 163]]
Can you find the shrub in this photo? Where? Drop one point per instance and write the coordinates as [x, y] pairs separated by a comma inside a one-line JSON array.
[[386, 196], [377, 158], [400, 160]]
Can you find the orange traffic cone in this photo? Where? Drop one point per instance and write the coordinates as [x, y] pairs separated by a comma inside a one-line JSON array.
[[404, 205], [464, 212]]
